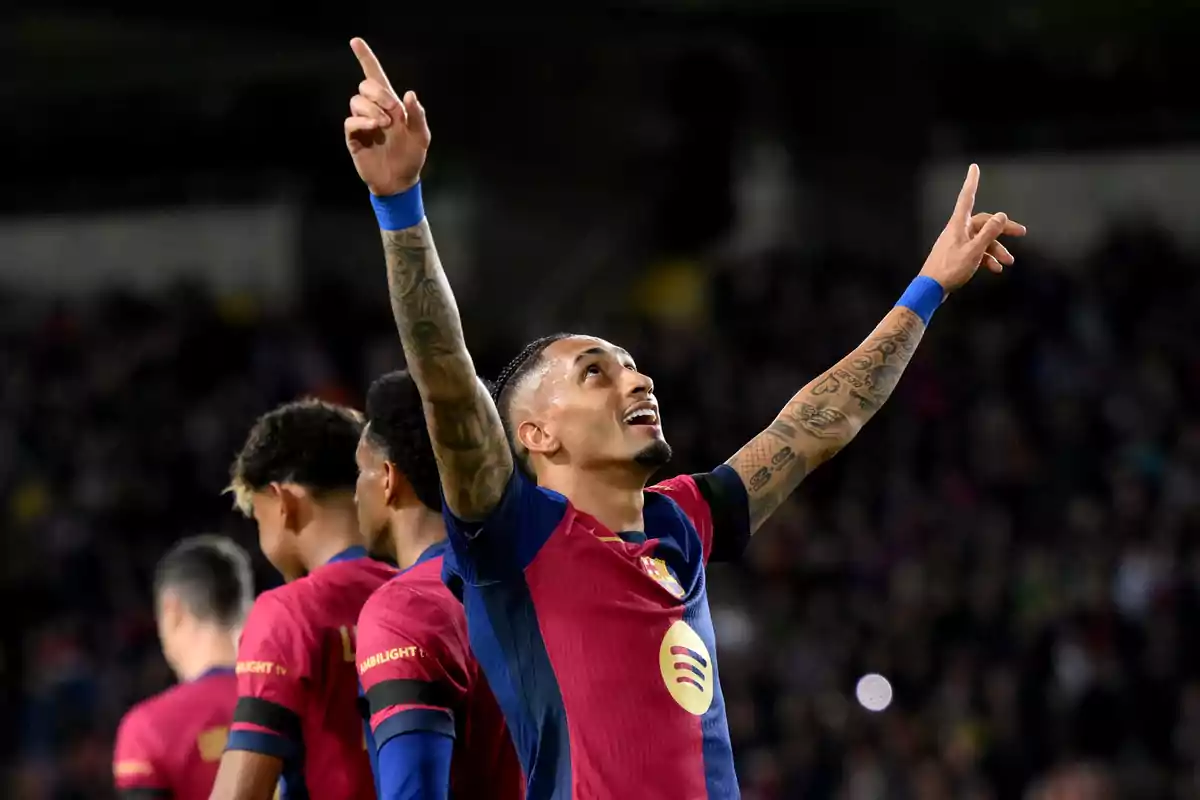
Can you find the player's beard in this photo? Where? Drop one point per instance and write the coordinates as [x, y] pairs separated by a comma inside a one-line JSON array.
[[654, 455]]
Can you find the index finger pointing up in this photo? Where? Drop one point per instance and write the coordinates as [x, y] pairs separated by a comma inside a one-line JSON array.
[[370, 64], [966, 197]]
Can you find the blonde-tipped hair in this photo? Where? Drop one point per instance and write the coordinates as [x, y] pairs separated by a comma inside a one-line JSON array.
[[309, 442], [243, 496]]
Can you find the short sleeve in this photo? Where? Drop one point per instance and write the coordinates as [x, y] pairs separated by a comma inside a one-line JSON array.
[[135, 759], [504, 544], [412, 662], [718, 507], [274, 673]]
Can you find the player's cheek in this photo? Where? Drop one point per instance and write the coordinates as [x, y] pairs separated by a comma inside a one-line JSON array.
[[611, 435], [269, 540]]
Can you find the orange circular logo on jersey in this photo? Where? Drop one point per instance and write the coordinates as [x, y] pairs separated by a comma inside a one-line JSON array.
[[686, 668]]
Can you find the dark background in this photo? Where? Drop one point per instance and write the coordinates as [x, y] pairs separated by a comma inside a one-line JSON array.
[[736, 192]]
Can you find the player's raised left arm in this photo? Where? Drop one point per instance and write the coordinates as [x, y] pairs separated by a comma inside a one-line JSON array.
[[826, 414]]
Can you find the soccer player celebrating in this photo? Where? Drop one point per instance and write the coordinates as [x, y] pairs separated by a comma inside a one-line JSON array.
[[437, 728], [584, 592], [169, 745], [297, 724]]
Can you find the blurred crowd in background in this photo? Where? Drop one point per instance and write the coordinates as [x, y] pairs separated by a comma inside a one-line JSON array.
[[735, 192], [1011, 542]]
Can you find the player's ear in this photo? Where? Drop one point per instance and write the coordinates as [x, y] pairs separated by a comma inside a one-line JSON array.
[[536, 438], [392, 483], [289, 507], [170, 610]]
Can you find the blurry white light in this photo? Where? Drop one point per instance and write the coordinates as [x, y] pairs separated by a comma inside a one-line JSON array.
[[874, 692]]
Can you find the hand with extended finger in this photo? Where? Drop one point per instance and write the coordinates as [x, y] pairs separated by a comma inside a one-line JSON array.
[[387, 136], [969, 240]]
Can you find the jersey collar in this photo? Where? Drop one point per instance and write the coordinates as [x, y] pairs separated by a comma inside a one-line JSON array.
[[433, 551], [212, 672], [349, 554]]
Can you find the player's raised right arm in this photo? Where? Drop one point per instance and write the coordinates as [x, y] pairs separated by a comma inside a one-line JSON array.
[[388, 137]]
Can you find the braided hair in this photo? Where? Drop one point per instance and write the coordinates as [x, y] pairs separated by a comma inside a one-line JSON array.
[[510, 377]]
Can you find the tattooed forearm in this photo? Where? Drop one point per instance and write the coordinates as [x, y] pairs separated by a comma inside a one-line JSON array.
[[468, 438], [825, 415], [426, 315]]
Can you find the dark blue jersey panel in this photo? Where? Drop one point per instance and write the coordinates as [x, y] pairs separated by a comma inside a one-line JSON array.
[[508, 642], [503, 545], [719, 773]]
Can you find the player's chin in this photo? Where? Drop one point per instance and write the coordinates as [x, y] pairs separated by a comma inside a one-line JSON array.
[[655, 454]]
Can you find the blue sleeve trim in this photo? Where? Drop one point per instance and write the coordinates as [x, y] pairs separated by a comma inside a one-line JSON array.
[[503, 545], [729, 504], [416, 767], [415, 720], [268, 744]]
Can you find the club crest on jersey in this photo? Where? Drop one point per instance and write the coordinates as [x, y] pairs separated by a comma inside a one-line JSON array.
[[656, 568], [687, 668]]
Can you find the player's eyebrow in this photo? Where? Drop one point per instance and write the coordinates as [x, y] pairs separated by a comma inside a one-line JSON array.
[[619, 352]]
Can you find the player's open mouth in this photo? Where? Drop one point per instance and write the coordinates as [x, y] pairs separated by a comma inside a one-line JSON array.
[[645, 415]]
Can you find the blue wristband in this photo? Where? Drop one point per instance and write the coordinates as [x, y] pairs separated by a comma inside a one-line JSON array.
[[922, 297], [399, 211]]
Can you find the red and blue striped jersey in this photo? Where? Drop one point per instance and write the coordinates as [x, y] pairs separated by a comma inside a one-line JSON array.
[[599, 644]]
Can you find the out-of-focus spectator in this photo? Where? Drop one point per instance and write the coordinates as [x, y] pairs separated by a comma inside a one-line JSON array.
[[1074, 782], [1012, 542]]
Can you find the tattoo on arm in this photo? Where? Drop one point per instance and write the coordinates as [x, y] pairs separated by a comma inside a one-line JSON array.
[[825, 415], [467, 435]]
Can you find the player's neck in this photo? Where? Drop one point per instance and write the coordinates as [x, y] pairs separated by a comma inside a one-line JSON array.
[[414, 529], [212, 647], [614, 496], [334, 530]]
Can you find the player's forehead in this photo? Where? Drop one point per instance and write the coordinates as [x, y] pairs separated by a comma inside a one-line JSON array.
[[572, 349]]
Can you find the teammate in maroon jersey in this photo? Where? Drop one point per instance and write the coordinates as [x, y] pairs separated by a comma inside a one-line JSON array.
[[437, 730], [585, 594], [169, 745], [297, 723]]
